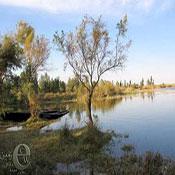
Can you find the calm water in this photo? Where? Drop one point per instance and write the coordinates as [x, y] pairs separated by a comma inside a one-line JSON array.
[[149, 119]]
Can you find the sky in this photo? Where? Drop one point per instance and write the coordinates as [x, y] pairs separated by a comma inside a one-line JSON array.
[[151, 27]]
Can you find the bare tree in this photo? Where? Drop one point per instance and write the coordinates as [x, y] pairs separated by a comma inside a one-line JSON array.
[[91, 52], [37, 54]]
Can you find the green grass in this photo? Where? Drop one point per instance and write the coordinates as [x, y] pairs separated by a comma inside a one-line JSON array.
[[87, 144], [65, 146]]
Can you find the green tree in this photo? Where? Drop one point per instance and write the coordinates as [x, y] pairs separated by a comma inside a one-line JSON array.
[[117, 84], [89, 52], [151, 80], [148, 82], [142, 83], [62, 86], [10, 57], [72, 84], [44, 83], [121, 84]]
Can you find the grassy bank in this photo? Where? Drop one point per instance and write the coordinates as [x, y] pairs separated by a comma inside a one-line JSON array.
[[64, 146], [89, 145]]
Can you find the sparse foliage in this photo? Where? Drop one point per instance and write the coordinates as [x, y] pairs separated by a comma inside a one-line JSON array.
[[91, 52], [35, 48]]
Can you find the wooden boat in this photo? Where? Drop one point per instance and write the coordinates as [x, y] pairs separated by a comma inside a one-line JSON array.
[[52, 114], [23, 116], [15, 116]]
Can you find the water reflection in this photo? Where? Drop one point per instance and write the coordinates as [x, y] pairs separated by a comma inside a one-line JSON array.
[[77, 110], [147, 117], [106, 104], [149, 95]]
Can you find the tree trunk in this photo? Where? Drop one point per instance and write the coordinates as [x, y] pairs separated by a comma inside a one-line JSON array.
[[89, 108], [1, 84], [92, 171]]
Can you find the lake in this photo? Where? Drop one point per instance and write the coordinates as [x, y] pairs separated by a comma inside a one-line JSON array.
[[148, 118]]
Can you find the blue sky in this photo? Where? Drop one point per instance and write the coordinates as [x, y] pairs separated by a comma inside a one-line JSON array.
[[151, 28]]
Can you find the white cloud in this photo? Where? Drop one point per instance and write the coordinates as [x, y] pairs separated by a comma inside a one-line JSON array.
[[85, 6], [147, 4]]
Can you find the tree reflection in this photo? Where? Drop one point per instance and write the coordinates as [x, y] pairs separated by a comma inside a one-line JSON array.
[[150, 95], [106, 104], [79, 108]]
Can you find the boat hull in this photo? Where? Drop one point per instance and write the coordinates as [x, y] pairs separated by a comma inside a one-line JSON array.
[[50, 115], [23, 116], [15, 116]]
